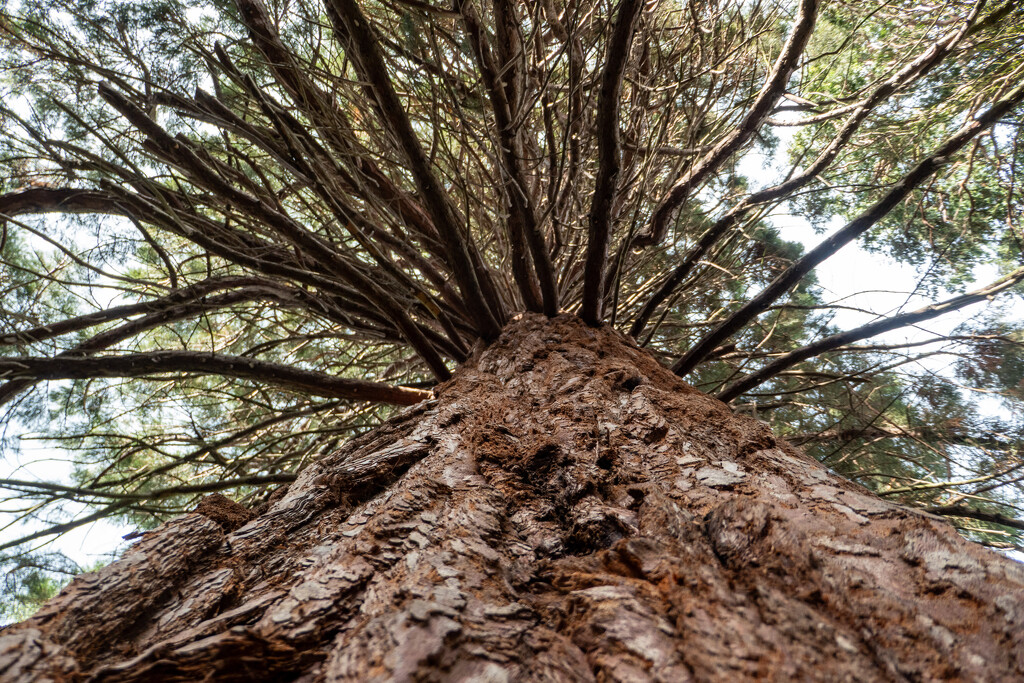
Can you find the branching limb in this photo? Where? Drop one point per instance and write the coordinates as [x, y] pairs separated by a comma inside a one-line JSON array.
[[599, 222], [980, 515], [170, 309], [125, 501], [913, 71], [358, 35], [166, 304], [58, 200], [866, 331], [203, 169], [773, 89], [896, 194], [504, 85]]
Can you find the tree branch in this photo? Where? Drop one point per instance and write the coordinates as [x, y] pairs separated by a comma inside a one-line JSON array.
[[865, 331], [503, 83], [193, 362], [192, 293], [913, 71], [172, 308], [771, 91], [203, 169], [125, 500], [605, 184], [980, 515], [356, 33], [896, 194], [58, 200], [76, 492], [990, 441]]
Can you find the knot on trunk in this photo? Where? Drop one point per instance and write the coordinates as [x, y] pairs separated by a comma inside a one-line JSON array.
[[224, 511]]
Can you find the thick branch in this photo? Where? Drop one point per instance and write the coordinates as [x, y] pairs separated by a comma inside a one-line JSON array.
[[502, 99], [605, 184], [203, 169], [321, 169], [503, 83], [125, 501], [192, 362], [980, 515], [58, 200], [896, 194], [865, 331], [77, 493]]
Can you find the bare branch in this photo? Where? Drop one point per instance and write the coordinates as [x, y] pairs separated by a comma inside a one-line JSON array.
[[192, 293], [972, 513], [504, 86], [911, 72], [58, 200], [865, 331], [773, 89], [194, 362], [358, 35], [605, 184], [180, 153]]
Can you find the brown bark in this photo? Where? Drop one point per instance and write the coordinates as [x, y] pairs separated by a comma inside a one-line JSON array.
[[565, 510]]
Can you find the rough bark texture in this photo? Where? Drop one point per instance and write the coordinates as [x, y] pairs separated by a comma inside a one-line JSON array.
[[564, 510]]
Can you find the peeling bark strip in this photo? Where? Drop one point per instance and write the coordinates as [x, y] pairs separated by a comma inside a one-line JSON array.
[[565, 510]]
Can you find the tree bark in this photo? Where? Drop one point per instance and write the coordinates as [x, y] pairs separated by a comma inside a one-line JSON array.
[[565, 509]]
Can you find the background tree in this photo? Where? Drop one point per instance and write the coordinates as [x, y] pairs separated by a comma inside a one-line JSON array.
[[237, 234]]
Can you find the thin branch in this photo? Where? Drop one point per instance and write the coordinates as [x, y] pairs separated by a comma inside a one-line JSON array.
[[865, 331], [980, 515], [354, 31], [178, 151], [125, 500], [174, 310], [771, 91], [192, 293], [75, 492], [913, 71], [502, 97]]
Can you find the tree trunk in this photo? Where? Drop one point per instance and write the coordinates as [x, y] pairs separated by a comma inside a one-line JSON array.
[[564, 510]]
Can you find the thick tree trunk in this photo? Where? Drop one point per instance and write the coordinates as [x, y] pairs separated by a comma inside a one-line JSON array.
[[564, 510]]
